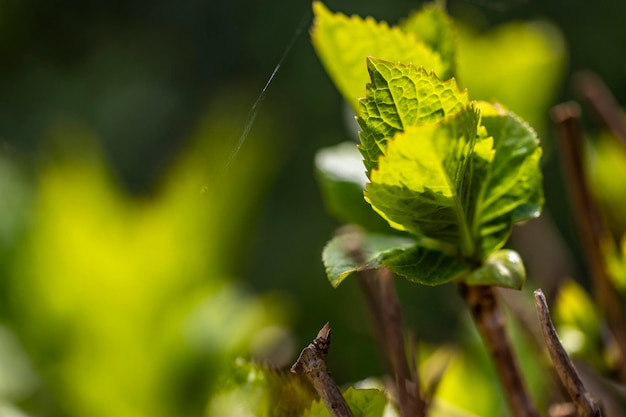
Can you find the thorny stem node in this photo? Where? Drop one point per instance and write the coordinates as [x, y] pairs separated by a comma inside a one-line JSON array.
[[312, 364]]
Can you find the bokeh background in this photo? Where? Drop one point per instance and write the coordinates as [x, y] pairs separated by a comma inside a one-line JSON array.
[[142, 248]]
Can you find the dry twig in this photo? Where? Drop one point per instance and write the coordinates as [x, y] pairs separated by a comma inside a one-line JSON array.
[[585, 404], [605, 106], [312, 364]]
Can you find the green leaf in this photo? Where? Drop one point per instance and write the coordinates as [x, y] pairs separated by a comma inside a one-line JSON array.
[[606, 162], [578, 321], [370, 250], [503, 269], [341, 177], [423, 182], [615, 258], [433, 26], [512, 191], [427, 266], [362, 403], [400, 96], [352, 252], [343, 43]]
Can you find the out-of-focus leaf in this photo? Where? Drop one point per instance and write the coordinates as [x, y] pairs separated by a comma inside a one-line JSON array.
[[362, 403], [343, 43], [503, 268], [8, 410], [107, 288], [253, 390], [615, 258], [483, 395], [513, 189], [519, 64], [478, 398], [16, 203], [578, 322], [433, 26], [342, 179], [607, 171], [400, 96], [18, 378]]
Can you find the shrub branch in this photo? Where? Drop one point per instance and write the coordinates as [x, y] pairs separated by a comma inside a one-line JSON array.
[[585, 404], [489, 319], [312, 364], [589, 223]]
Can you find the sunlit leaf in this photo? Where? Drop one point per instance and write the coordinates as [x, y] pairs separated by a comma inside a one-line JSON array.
[[424, 180], [512, 191], [433, 26], [343, 43], [453, 173], [400, 96]]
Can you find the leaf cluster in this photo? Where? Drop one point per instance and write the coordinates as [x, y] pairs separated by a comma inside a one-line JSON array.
[[451, 174]]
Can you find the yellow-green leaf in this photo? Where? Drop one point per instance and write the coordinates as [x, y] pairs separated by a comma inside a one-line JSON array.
[[512, 188], [519, 64], [343, 43], [433, 26], [423, 182], [400, 96]]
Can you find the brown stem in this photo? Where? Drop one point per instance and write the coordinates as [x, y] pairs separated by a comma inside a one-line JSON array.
[[385, 308], [584, 402], [594, 235], [411, 404], [605, 106], [489, 319], [312, 364]]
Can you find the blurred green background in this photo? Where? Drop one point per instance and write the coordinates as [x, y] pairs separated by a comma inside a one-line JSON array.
[[138, 258]]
